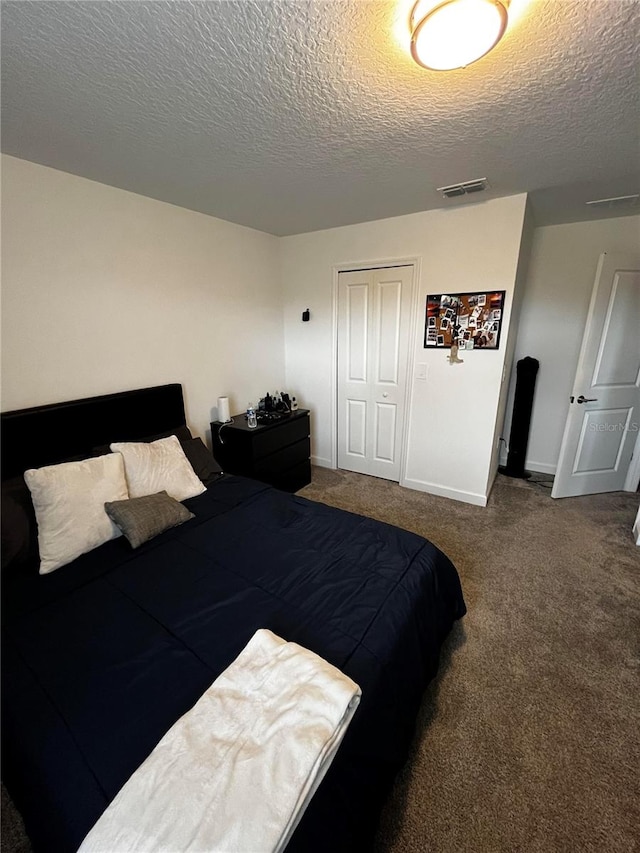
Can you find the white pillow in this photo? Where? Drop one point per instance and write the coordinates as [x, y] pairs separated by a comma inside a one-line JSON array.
[[158, 466], [69, 502]]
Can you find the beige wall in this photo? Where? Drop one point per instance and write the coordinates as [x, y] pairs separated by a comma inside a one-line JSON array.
[[453, 415], [560, 278], [104, 290]]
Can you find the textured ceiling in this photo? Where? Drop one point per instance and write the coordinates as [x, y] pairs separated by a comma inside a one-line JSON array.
[[295, 116]]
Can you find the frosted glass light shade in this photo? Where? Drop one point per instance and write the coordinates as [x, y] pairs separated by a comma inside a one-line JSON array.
[[455, 33]]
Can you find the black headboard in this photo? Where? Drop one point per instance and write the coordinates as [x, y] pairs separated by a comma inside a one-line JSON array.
[[45, 435]]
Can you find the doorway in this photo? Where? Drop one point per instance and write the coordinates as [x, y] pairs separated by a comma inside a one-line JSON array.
[[373, 347]]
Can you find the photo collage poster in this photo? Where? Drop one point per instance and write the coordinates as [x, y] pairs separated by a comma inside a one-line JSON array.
[[470, 320]]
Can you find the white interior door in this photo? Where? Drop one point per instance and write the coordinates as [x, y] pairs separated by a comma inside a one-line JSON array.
[[602, 424], [374, 309]]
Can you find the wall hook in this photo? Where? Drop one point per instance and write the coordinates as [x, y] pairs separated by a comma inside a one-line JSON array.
[[452, 358]]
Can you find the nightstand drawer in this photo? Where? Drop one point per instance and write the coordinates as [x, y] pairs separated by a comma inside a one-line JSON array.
[[294, 478], [283, 459], [277, 436]]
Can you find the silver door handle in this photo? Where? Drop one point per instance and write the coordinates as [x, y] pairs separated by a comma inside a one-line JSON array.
[[582, 399]]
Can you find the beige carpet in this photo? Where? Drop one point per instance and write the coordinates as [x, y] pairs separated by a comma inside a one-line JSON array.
[[528, 739]]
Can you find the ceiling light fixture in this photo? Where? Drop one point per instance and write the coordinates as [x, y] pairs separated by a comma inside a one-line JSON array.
[[455, 33]]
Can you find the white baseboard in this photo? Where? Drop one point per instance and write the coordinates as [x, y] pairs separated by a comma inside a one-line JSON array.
[[445, 492], [539, 467], [321, 462]]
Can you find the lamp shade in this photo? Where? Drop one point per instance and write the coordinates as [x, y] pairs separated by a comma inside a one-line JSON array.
[[455, 33]]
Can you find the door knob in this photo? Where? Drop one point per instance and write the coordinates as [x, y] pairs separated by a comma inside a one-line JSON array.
[[385, 394], [582, 399]]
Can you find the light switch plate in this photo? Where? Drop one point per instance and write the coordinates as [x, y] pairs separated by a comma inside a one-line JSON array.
[[421, 371]]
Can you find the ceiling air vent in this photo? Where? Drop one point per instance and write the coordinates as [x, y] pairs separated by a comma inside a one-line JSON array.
[[464, 188], [616, 201]]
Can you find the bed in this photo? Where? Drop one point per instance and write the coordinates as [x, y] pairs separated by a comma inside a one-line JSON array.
[[103, 655]]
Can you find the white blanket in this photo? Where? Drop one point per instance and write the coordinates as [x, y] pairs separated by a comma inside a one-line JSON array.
[[237, 771]]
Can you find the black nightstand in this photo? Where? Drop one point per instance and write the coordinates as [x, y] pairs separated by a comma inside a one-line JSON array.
[[276, 452]]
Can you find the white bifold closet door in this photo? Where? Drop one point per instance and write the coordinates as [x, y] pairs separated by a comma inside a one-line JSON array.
[[374, 309]]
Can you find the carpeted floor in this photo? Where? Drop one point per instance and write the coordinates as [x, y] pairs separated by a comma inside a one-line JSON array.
[[529, 738]]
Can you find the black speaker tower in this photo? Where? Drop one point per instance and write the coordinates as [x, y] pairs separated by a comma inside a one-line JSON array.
[[526, 371]]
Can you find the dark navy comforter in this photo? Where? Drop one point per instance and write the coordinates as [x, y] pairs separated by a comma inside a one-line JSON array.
[[101, 657]]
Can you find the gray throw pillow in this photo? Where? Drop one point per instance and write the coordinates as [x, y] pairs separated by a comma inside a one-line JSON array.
[[140, 519]]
